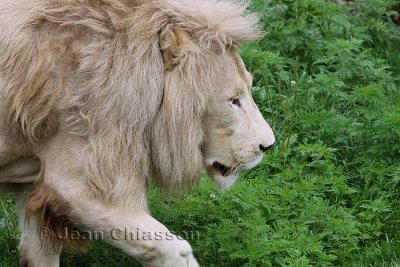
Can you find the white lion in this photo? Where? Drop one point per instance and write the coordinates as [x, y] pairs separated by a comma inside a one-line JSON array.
[[100, 99]]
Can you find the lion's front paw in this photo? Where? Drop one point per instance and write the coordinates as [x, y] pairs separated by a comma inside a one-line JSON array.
[[174, 253], [186, 255], [191, 261]]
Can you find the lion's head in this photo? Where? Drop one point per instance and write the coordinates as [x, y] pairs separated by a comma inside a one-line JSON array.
[[208, 94], [236, 134]]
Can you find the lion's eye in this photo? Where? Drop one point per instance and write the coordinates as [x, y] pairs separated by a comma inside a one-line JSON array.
[[235, 101]]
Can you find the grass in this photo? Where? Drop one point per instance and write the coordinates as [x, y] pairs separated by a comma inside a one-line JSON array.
[[327, 78]]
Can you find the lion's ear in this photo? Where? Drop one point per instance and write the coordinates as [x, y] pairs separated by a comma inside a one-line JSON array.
[[171, 42]]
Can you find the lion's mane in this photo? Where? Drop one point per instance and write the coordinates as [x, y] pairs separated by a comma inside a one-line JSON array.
[[95, 69]]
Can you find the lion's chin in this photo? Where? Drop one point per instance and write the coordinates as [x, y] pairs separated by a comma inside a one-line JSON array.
[[225, 182], [224, 177]]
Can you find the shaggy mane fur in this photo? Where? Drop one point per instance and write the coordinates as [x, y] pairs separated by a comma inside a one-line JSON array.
[[95, 69]]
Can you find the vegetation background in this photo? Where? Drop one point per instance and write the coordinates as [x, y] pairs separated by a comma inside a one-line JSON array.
[[327, 78]]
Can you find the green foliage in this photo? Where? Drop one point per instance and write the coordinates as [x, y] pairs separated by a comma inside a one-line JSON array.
[[9, 234], [327, 78]]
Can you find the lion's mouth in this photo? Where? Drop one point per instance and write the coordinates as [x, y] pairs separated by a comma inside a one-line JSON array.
[[223, 169], [225, 176]]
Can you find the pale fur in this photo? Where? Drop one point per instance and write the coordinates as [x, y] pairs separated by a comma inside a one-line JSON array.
[[98, 66], [113, 95]]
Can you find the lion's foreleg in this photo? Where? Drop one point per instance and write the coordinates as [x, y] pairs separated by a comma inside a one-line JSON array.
[[32, 249], [135, 232], [131, 229]]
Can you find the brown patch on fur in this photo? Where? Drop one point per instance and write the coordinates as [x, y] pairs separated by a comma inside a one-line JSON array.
[[24, 262], [52, 213]]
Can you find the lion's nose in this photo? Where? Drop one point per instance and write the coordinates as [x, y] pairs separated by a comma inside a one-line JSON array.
[[265, 148]]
